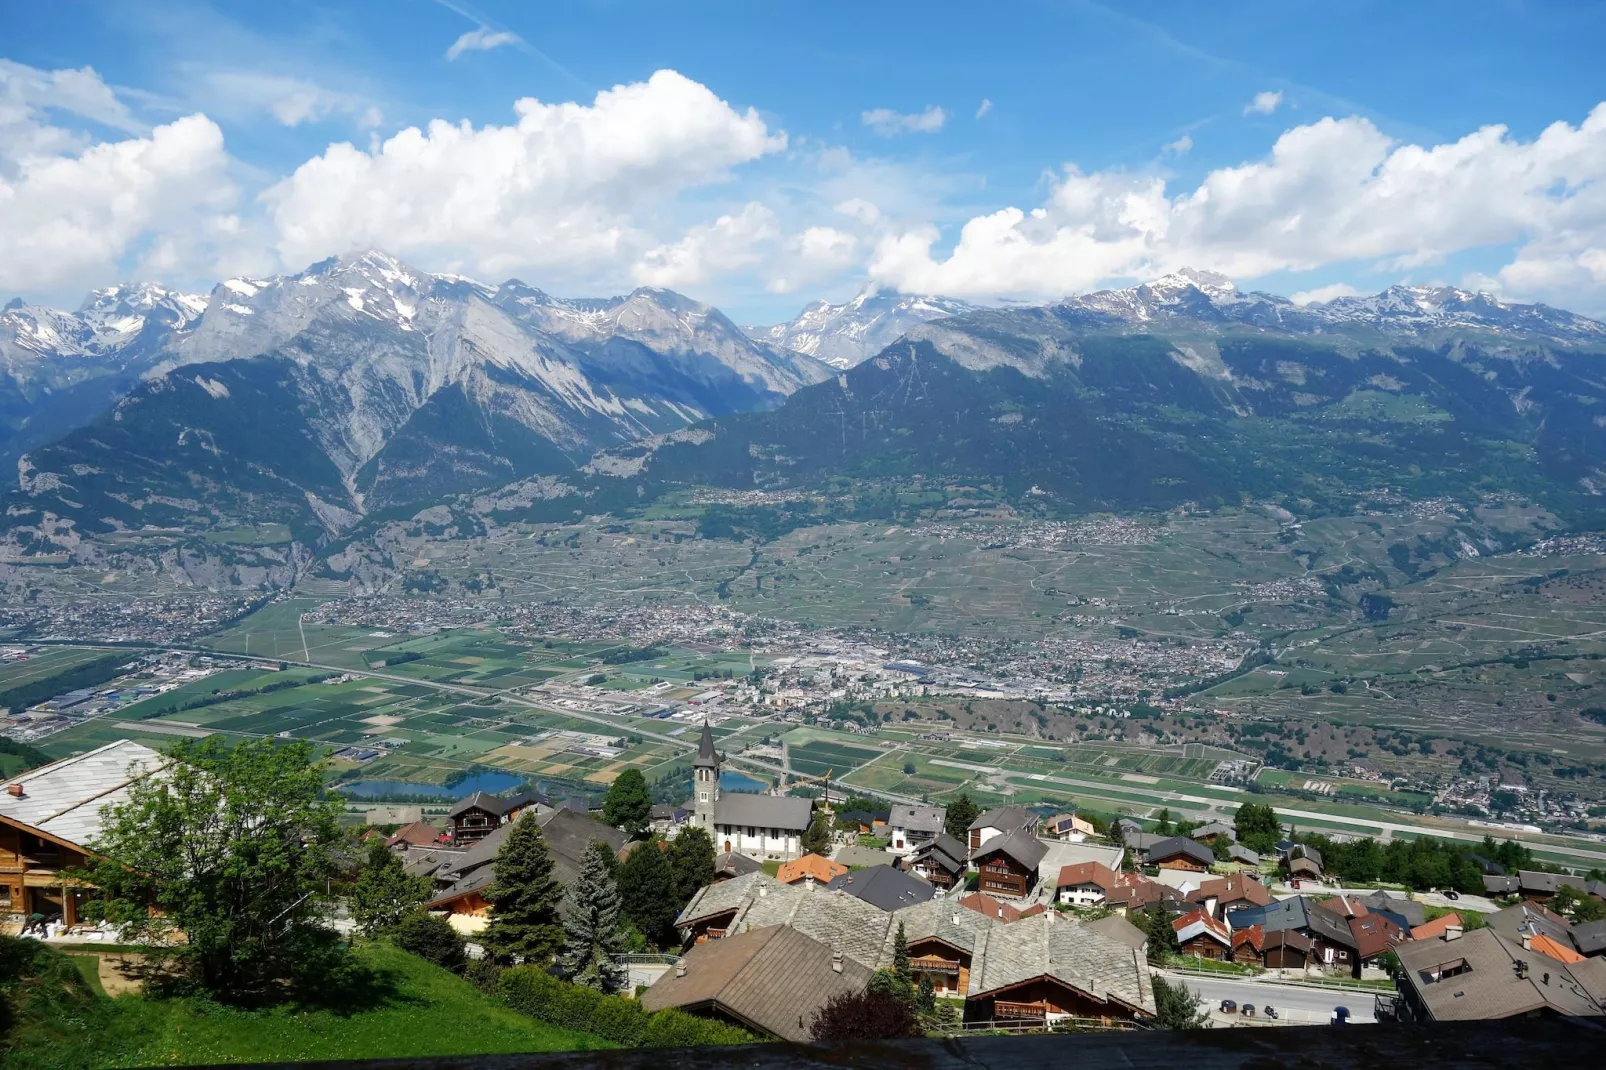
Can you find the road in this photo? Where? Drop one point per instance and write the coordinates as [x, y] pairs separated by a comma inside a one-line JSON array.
[[1296, 1005]]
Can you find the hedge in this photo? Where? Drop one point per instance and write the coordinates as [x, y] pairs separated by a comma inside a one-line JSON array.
[[531, 990]]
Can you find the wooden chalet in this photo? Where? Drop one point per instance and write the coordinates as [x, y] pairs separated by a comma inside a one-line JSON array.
[[1201, 936], [1007, 864], [1179, 852], [942, 861], [476, 817]]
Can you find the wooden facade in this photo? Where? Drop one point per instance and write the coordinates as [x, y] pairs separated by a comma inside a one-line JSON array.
[[1045, 998], [1204, 946], [31, 864], [474, 824], [1180, 861], [947, 966], [999, 874]]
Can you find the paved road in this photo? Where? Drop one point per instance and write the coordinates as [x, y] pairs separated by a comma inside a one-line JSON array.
[[1295, 1005]]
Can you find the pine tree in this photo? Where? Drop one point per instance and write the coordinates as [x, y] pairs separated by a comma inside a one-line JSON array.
[[384, 894], [691, 860], [817, 838], [1162, 826], [629, 804], [592, 941], [961, 812], [900, 957], [524, 899], [647, 892]]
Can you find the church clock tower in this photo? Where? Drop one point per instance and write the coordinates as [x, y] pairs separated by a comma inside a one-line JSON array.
[[705, 781]]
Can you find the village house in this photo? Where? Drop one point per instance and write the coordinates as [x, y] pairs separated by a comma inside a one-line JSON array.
[[1224, 895], [1538, 887], [885, 887], [943, 861], [1179, 852], [416, 834], [1067, 827], [474, 818], [1202, 936], [990, 907], [731, 864], [49, 817], [1302, 863], [1249, 946], [990, 824], [1086, 884], [1484, 974], [1007, 864], [1210, 832], [913, 827], [810, 867]]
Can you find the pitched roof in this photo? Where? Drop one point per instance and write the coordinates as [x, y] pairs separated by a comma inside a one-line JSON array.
[[986, 905], [1531, 919], [763, 811], [478, 801], [1409, 909], [884, 887], [1374, 934], [1019, 844], [1199, 923], [1279, 914], [1117, 928], [1254, 937], [916, 818], [1590, 937], [1553, 949], [1233, 888], [1211, 828], [810, 865], [1478, 976], [707, 757], [64, 799], [416, 834], [944, 851], [1433, 930], [1239, 853], [1003, 818], [1070, 952], [772, 979], [1172, 846], [1094, 873], [735, 864]]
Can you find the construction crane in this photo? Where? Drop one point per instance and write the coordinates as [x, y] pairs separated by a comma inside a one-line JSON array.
[[826, 780]]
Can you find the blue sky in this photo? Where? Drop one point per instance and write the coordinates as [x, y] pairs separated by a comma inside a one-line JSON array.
[[1006, 152]]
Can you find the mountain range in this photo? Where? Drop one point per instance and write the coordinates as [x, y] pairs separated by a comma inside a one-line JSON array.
[[363, 386]]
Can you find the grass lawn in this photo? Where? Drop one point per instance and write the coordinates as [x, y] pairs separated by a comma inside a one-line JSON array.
[[418, 1010]]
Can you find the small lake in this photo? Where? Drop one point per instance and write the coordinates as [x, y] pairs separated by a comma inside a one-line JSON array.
[[733, 781], [487, 781]]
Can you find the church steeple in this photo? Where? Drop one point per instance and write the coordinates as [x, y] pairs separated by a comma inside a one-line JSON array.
[[705, 780]]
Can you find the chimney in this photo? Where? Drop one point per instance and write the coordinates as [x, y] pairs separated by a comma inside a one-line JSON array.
[[763, 890], [1452, 932], [956, 917], [836, 961], [680, 967], [1527, 941], [15, 790]]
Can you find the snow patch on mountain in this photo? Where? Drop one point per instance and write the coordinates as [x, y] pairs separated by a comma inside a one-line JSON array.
[[843, 335]]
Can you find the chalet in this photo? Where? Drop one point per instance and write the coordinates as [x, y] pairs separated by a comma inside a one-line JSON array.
[[476, 817], [1048, 969], [1224, 895], [769, 981], [1087, 884], [810, 867], [1374, 934], [416, 834], [1288, 949], [1007, 864], [1202, 936], [1249, 946], [1303, 863], [913, 827], [1179, 852], [1484, 974], [884, 886], [1237, 852], [1408, 912], [1538, 887], [1327, 939], [942, 861], [764, 826], [991, 824], [48, 818], [868, 822], [1067, 827], [1590, 938], [943, 943], [1211, 832], [1133, 892], [667, 819]]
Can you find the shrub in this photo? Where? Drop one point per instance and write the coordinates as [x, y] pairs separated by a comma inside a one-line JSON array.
[[432, 939], [863, 1016], [532, 991]]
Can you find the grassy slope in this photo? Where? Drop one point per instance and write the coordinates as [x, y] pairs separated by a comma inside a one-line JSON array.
[[431, 1012]]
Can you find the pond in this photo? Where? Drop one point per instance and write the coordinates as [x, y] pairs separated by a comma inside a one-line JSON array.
[[733, 781], [485, 780]]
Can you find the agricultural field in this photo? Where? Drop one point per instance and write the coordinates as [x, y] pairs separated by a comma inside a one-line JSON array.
[[47, 663]]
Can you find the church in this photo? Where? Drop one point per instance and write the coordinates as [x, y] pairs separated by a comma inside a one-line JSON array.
[[760, 826]]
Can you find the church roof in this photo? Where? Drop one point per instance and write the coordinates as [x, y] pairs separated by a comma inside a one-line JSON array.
[[706, 756]]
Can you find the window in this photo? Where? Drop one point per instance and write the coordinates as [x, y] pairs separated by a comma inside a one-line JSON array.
[[702, 796]]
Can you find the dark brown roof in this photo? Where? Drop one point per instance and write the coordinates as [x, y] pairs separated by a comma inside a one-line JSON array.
[[478, 801], [773, 980], [1021, 846]]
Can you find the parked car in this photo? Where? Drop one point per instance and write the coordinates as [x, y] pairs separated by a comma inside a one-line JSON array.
[[1247, 1010], [1294, 884], [1451, 893], [1269, 1011], [1228, 1006], [1340, 1016]]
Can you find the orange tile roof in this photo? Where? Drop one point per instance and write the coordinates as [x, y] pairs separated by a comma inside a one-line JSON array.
[[990, 907], [1548, 947], [823, 870], [1095, 873], [1434, 929]]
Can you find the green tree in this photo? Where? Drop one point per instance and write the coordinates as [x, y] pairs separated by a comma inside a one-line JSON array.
[[647, 892], [629, 804], [1256, 826], [232, 847], [1576, 905], [592, 942], [926, 996], [1156, 923], [431, 938], [817, 837], [524, 899], [900, 957], [691, 861], [1176, 1007], [1221, 849], [1162, 825], [961, 812], [384, 894]]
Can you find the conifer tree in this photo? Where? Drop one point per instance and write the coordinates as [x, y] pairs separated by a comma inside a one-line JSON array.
[[592, 940], [524, 899], [961, 812], [900, 957], [647, 892], [384, 894], [817, 838], [691, 859]]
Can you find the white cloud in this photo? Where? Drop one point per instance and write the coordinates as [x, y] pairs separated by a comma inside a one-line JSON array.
[[1180, 147], [558, 189], [482, 39], [27, 97], [1332, 191], [986, 106], [889, 123], [1321, 294], [1264, 103], [291, 101], [70, 219], [860, 209], [729, 243]]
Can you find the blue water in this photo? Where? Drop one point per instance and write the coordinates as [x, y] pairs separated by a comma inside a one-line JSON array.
[[485, 780], [733, 781]]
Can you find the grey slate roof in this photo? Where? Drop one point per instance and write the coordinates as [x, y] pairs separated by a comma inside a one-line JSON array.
[[1590, 937], [772, 979], [1003, 818], [1514, 921], [1409, 909], [884, 887], [944, 852], [735, 864], [1019, 845], [1281, 914], [763, 811], [1175, 845], [1239, 853], [64, 799], [916, 818], [1493, 987], [1123, 932], [1085, 959], [1212, 828]]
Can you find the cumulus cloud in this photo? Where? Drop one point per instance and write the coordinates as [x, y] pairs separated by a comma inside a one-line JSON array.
[[70, 218], [1180, 147], [481, 39], [889, 123], [28, 95], [1322, 294], [1264, 103], [985, 107], [729, 243], [557, 189], [1332, 191]]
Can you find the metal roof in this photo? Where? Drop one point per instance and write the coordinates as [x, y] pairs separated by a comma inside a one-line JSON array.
[[884, 887], [763, 811], [65, 799], [1490, 976]]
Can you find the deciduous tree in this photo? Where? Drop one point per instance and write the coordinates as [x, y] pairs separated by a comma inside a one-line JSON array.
[[384, 894], [629, 804]]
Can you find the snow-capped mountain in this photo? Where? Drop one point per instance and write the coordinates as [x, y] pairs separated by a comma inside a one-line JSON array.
[[843, 335], [362, 383], [108, 325]]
